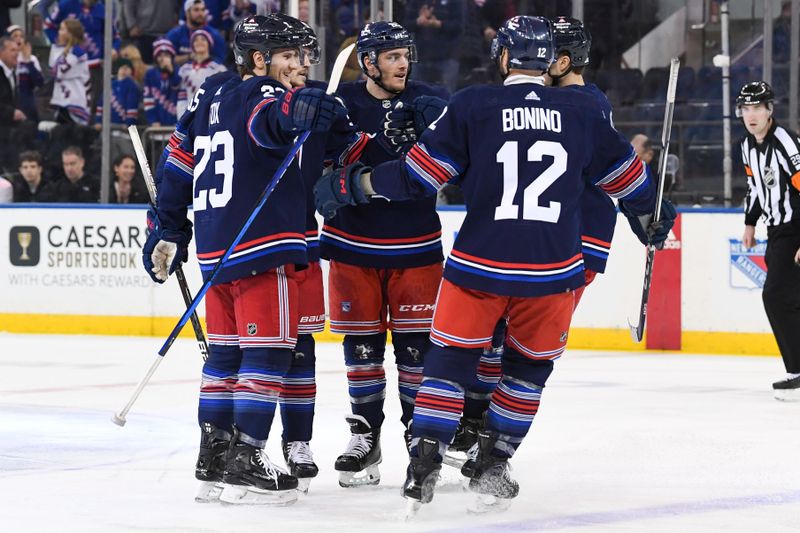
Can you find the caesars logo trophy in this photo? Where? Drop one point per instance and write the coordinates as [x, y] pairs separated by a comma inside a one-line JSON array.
[[24, 246]]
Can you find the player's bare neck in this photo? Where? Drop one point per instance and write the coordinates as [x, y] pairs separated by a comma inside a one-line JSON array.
[[376, 91], [761, 135], [571, 79]]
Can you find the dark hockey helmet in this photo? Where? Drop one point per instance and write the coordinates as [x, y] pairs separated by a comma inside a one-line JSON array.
[[572, 38], [529, 41], [754, 93], [266, 33], [383, 35]]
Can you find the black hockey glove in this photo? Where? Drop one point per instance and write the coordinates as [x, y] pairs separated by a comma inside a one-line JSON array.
[[651, 233], [165, 249], [340, 187], [405, 124], [305, 109]]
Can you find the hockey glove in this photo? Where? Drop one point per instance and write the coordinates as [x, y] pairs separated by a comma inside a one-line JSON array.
[[405, 124], [340, 187], [651, 233], [164, 250], [305, 109]]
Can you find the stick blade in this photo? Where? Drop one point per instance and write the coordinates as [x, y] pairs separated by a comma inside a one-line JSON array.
[[338, 68], [118, 420], [636, 332]]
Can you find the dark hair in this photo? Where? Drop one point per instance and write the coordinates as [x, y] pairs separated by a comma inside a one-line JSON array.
[[5, 39], [72, 150], [575, 69], [30, 156], [122, 157]]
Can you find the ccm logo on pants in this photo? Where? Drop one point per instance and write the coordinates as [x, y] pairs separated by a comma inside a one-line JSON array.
[[417, 307]]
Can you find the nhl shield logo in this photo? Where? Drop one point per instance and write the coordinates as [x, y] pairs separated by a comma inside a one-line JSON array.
[[345, 307], [748, 268], [252, 329], [563, 337]]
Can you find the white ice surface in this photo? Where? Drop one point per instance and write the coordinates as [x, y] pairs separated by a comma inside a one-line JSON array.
[[623, 442]]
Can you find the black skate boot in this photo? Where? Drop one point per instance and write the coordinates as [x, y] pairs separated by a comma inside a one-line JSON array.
[[301, 464], [211, 462], [787, 390], [466, 436], [422, 474], [358, 465], [491, 478], [251, 478]]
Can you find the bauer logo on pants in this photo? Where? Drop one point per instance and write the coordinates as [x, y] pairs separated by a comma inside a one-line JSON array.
[[23, 246], [748, 268]]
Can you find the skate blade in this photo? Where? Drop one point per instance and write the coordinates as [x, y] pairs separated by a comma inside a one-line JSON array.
[[787, 395], [455, 459], [412, 508], [486, 503], [242, 495], [209, 492], [369, 476], [303, 483]]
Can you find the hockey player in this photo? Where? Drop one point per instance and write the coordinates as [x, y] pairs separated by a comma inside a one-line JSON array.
[[298, 394], [239, 134], [385, 257], [518, 252]]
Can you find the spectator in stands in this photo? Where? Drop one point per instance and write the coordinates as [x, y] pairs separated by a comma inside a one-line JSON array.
[[70, 64], [304, 11], [217, 15], [30, 185], [195, 72], [148, 20], [240, 9], [125, 96], [124, 172], [643, 148], [75, 186], [39, 41], [29, 74], [91, 14], [10, 113], [195, 20], [161, 86], [437, 26], [130, 52]]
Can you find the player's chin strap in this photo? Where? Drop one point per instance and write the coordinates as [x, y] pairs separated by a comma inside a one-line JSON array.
[[557, 78], [378, 80]]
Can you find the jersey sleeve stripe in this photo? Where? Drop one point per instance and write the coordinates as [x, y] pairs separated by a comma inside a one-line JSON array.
[[353, 152], [626, 179], [253, 134], [182, 162]]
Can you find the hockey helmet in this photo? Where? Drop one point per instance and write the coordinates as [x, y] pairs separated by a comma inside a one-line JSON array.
[[754, 93], [383, 35], [529, 41], [572, 38], [267, 33]]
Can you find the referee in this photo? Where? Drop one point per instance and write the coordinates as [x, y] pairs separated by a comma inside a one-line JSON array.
[[771, 156]]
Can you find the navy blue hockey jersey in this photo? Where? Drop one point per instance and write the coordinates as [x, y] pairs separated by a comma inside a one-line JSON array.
[[382, 234], [230, 153], [523, 155], [598, 213]]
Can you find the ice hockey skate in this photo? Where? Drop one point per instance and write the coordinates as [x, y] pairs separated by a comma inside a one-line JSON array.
[[211, 462], [421, 475], [251, 478], [490, 479], [787, 390], [466, 436], [301, 464], [358, 465]]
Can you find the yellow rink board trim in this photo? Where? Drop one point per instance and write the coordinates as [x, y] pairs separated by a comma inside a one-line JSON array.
[[580, 338]]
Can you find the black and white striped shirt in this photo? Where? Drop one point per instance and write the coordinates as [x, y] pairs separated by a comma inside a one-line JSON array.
[[773, 177]]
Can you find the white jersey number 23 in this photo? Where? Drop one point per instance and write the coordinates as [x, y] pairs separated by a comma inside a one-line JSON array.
[[206, 145]]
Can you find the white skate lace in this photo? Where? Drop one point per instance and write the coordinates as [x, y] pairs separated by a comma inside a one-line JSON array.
[[300, 453], [360, 445], [472, 453], [270, 469]]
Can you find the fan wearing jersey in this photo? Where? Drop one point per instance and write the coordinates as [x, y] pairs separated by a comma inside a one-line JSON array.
[[523, 154], [385, 257], [238, 137]]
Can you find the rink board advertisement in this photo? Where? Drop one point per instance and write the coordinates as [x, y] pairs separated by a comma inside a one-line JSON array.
[[78, 270]]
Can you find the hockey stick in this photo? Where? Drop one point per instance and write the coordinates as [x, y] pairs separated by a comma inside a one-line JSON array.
[[637, 331], [338, 67], [138, 148]]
